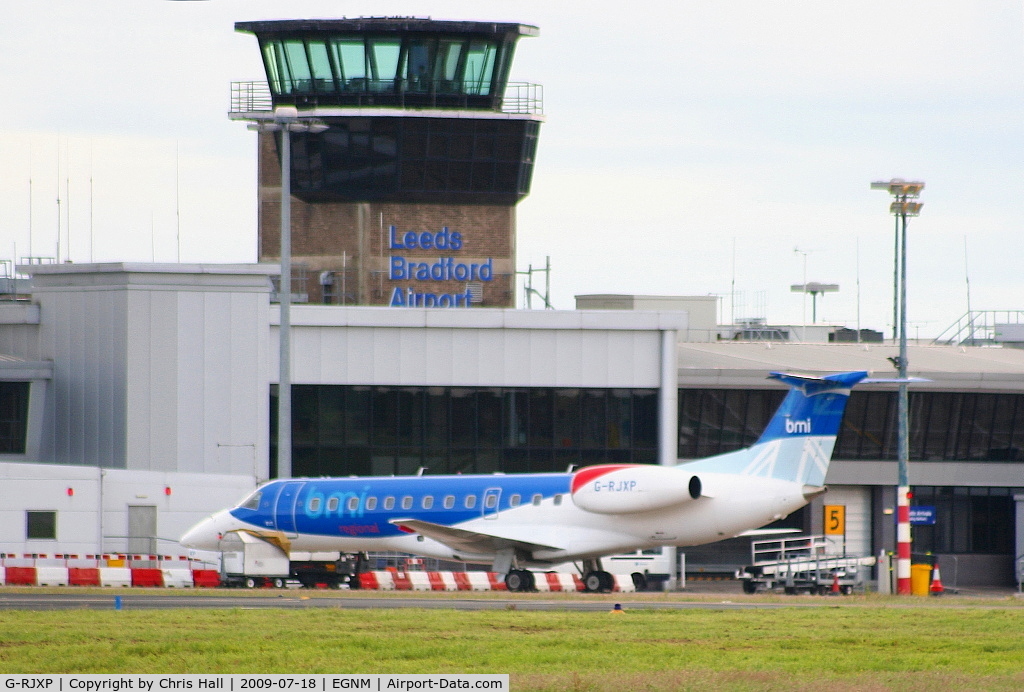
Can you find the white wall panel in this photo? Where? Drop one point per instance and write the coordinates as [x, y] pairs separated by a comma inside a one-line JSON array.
[[568, 358], [219, 394], [473, 357], [517, 369], [440, 357], [191, 382], [466, 352], [163, 392], [857, 501], [543, 359], [309, 343]]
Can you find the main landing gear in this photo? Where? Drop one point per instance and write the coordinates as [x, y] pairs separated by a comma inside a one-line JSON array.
[[598, 581], [520, 580], [595, 579]]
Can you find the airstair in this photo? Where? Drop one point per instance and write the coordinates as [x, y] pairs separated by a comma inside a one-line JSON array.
[[802, 564]]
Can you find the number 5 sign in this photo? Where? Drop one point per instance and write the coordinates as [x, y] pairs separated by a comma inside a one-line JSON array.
[[835, 520]]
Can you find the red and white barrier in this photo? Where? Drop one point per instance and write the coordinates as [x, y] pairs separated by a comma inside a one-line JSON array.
[[103, 570], [165, 572]]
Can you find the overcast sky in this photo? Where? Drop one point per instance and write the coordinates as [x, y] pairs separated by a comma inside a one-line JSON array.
[[689, 147]]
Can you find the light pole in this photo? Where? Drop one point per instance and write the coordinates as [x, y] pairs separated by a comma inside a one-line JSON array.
[[286, 120], [904, 204]]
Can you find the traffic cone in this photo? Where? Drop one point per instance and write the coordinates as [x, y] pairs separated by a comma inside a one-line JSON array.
[[936, 588], [835, 583]]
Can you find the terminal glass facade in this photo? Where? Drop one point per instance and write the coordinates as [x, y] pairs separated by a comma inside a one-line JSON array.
[[967, 520], [340, 429], [367, 430], [944, 426]]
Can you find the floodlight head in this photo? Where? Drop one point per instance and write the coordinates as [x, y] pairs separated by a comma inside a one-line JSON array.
[[902, 208], [899, 187]]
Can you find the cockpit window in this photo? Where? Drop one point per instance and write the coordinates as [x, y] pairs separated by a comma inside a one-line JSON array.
[[253, 501]]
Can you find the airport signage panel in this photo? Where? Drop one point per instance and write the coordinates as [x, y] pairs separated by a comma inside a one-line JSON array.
[[835, 520], [922, 515], [446, 268]]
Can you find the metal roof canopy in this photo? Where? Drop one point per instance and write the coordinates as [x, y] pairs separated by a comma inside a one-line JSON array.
[[386, 25]]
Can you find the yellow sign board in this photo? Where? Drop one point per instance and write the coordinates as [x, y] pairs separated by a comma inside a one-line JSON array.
[[835, 520]]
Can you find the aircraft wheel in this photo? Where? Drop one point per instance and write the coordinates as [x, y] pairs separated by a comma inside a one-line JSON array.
[[516, 580], [531, 582], [596, 582]]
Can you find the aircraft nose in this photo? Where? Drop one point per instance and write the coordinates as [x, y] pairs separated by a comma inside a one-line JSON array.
[[206, 534]]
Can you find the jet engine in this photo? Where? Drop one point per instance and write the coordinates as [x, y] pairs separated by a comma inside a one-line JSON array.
[[630, 488]]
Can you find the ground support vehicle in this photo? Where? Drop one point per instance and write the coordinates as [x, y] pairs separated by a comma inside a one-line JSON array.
[[801, 565], [252, 561]]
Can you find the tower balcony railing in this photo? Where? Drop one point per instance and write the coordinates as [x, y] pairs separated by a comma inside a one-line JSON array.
[[520, 98]]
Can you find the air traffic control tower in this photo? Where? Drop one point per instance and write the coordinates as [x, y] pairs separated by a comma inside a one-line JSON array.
[[408, 198]]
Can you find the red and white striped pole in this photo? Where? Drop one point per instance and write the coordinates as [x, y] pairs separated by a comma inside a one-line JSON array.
[[905, 195], [903, 541]]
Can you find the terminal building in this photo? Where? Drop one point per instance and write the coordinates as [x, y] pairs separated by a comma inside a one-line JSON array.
[[138, 398], [135, 399]]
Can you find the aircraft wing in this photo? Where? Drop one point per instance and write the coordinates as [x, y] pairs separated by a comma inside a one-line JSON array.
[[465, 541]]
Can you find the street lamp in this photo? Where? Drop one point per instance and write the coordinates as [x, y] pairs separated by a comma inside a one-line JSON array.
[[286, 120], [904, 204]]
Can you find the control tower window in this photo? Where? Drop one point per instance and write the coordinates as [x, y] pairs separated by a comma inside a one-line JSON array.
[[480, 67], [288, 66], [320, 61], [383, 55], [271, 50], [420, 65], [350, 57], [446, 69]]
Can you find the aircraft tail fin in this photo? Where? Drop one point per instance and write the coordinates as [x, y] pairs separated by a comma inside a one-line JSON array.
[[797, 443], [813, 407]]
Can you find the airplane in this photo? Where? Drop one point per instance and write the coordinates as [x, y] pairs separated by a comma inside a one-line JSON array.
[[516, 521]]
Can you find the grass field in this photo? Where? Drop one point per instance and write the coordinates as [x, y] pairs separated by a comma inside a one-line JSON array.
[[852, 644]]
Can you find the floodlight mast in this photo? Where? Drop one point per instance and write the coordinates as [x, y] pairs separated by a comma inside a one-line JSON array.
[[286, 120], [905, 194]]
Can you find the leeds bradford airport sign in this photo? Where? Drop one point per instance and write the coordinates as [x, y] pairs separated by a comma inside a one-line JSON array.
[[443, 269]]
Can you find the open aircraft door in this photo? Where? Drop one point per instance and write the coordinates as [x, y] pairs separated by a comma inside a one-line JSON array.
[[287, 503]]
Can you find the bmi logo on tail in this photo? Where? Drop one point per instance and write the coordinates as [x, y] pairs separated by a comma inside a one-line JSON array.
[[798, 426]]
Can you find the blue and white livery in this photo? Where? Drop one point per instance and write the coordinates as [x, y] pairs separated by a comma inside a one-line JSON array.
[[512, 522]]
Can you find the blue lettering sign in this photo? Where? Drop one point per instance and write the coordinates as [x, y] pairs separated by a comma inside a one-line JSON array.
[[444, 269], [411, 298], [445, 239], [922, 515], [402, 268]]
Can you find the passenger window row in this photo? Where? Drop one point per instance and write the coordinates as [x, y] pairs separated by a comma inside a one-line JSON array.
[[426, 502]]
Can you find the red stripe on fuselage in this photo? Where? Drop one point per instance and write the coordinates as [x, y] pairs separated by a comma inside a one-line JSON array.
[[584, 476]]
